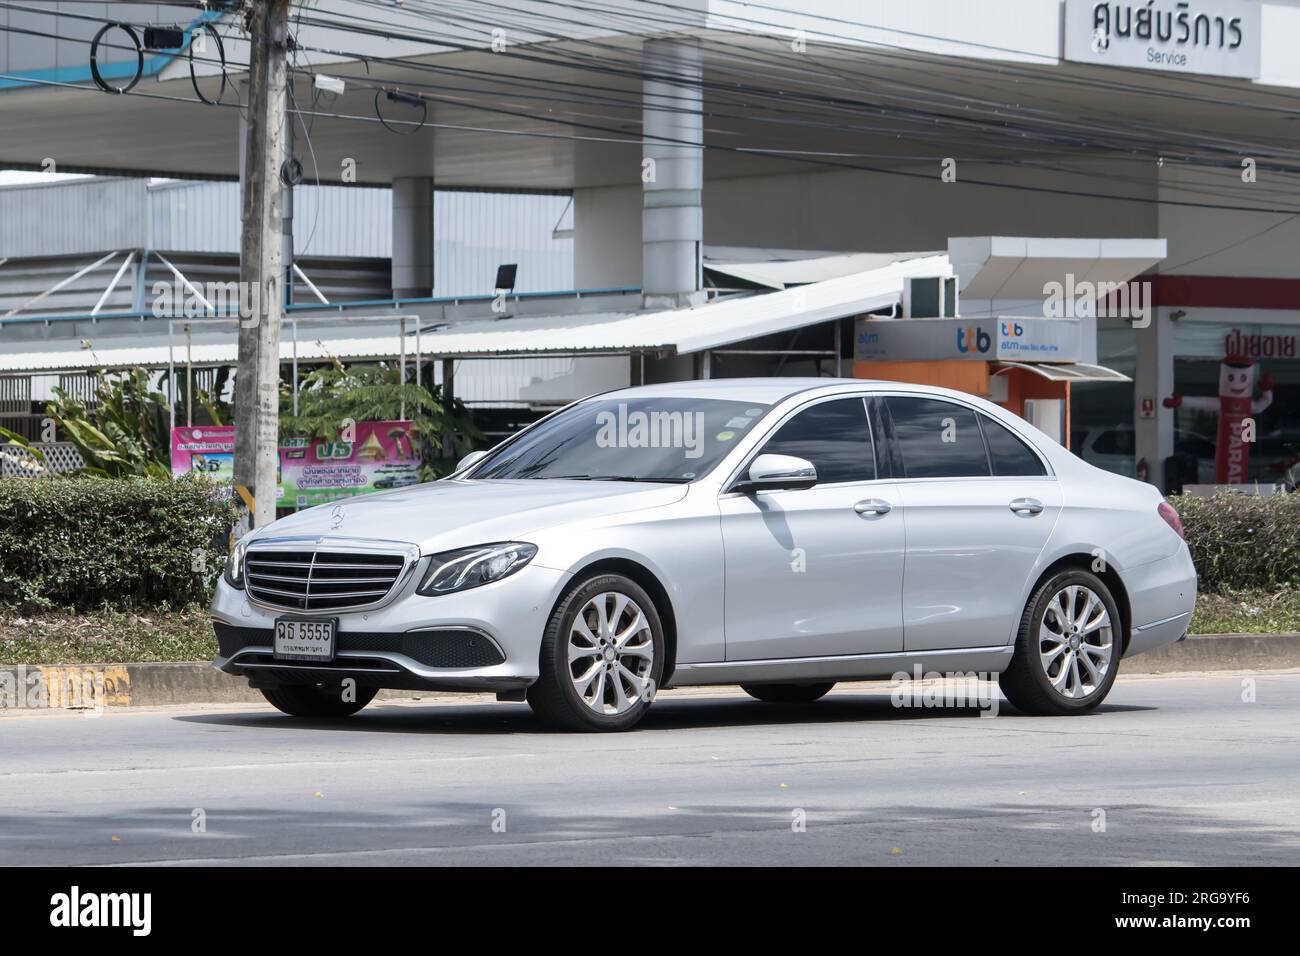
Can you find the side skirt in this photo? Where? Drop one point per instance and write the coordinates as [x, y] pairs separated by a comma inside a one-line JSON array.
[[848, 667]]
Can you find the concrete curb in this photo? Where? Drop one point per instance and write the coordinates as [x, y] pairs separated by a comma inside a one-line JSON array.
[[94, 686], [1219, 652]]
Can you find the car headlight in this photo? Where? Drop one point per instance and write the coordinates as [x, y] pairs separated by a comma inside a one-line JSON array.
[[467, 568], [235, 564]]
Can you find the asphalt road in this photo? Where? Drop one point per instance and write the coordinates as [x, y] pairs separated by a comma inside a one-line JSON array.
[[1185, 771]]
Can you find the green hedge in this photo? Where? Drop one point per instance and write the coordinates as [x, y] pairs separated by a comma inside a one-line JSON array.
[[1243, 541], [85, 543]]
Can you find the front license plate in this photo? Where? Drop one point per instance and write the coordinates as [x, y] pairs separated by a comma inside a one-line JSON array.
[[299, 640]]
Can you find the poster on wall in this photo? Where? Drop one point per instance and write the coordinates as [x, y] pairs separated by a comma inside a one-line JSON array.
[[207, 450], [381, 456]]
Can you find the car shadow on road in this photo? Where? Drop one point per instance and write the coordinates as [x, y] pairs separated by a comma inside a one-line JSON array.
[[668, 713]]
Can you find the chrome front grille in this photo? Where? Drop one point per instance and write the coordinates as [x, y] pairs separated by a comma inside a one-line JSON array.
[[321, 580]]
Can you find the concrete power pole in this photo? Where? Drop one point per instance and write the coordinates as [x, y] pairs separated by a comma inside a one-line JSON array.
[[257, 383]]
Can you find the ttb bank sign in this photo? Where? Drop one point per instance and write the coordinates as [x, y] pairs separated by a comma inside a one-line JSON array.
[[1022, 338]]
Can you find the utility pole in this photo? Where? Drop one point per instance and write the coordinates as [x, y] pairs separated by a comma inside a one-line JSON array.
[[261, 264]]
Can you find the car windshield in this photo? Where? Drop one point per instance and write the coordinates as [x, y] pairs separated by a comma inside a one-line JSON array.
[[627, 439]]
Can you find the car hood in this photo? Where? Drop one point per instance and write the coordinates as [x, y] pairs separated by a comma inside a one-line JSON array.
[[449, 514]]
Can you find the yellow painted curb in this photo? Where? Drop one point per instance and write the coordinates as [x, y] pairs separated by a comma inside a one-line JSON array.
[[75, 687]]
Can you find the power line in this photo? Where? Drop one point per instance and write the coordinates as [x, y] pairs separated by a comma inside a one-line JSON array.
[[1232, 245], [792, 156], [966, 126], [622, 68]]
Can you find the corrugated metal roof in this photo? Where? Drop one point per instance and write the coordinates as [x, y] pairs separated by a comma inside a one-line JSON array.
[[683, 331], [709, 326], [206, 349]]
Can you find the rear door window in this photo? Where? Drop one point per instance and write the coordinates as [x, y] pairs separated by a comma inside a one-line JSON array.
[[937, 439]]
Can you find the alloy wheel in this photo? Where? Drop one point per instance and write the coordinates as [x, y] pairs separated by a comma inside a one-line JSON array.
[[1075, 642], [611, 652]]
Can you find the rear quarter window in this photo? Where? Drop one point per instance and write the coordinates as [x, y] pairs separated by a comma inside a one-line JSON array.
[[1008, 454]]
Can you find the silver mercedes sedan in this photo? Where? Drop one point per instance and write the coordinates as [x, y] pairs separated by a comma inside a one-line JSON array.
[[779, 534]]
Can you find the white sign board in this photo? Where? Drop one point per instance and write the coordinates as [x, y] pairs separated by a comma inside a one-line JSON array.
[[1015, 339], [1211, 37]]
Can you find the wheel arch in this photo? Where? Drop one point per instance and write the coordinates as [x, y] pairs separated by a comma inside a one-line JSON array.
[[1108, 575], [658, 593]]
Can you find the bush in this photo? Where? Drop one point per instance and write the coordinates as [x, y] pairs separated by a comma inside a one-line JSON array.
[[84, 543], [1243, 541]]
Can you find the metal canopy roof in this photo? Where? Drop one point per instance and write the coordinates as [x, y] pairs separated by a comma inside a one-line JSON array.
[[1068, 371], [683, 331], [781, 269], [1001, 268]]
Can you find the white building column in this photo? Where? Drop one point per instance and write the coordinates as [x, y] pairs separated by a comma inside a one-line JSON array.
[[672, 174], [1154, 380], [412, 237]]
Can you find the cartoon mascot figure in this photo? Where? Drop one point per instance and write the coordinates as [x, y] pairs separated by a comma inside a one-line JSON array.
[[1235, 403]]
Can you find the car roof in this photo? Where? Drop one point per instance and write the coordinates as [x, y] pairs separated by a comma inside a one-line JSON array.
[[771, 391], [767, 391]]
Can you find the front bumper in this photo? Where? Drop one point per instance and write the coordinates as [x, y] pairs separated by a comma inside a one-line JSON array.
[[486, 638]]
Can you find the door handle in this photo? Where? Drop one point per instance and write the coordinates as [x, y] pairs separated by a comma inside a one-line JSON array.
[[1026, 506], [873, 506]]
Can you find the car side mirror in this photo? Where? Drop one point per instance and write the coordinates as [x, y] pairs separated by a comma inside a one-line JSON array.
[[778, 472], [473, 458]]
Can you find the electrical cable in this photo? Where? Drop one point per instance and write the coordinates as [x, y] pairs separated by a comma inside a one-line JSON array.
[[627, 14], [883, 170], [221, 52], [1219, 147], [299, 16], [94, 58], [397, 96], [768, 152], [1233, 245]]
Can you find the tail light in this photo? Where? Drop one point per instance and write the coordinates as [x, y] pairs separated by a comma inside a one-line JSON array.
[[1166, 511]]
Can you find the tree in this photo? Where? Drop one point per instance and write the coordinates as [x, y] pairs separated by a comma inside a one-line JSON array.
[[333, 395]]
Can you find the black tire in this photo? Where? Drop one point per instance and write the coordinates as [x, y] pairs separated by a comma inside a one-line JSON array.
[[553, 697], [310, 700], [787, 693], [1025, 683]]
